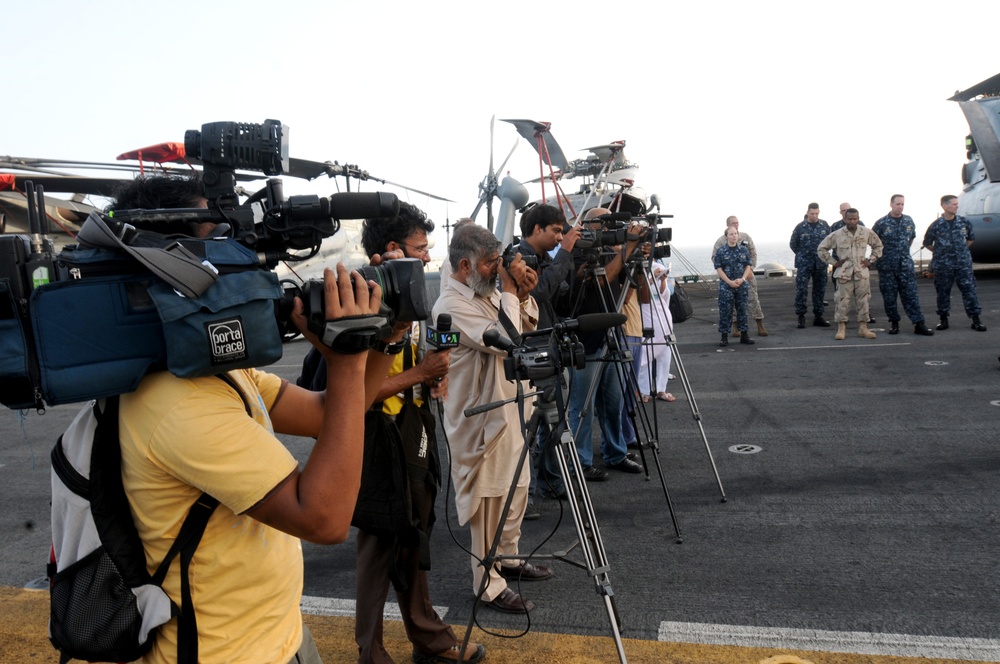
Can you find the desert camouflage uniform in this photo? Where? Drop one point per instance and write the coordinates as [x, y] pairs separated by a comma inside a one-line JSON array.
[[852, 276]]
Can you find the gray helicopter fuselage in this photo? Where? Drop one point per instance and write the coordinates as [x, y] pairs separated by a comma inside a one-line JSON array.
[[980, 197]]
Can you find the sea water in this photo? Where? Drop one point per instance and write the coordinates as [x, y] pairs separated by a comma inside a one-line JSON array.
[[689, 260]]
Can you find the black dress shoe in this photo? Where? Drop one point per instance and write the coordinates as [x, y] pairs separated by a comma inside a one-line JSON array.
[[819, 321], [531, 513], [802, 322], [451, 655], [592, 474], [509, 601], [527, 572], [871, 321], [626, 465], [922, 329]]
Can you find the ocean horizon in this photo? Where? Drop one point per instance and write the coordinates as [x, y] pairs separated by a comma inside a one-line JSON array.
[[697, 259]]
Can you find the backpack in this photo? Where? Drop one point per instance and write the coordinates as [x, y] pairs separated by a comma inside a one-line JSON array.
[[680, 305], [104, 605]]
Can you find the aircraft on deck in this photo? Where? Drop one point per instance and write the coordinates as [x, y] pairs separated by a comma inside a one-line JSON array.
[[980, 198], [608, 180]]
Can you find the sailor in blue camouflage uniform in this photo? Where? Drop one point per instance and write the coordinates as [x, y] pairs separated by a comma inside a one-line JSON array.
[[896, 276], [805, 243], [949, 239], [733, 264]]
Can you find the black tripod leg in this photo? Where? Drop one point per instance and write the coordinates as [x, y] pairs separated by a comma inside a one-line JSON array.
[[591, 544]]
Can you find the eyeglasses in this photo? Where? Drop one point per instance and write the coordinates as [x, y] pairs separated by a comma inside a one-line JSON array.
[[419, 251], [490, 263]]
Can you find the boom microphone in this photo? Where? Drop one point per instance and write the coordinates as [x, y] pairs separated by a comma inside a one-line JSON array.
[[494, 339], [612, 216], [345, 205], [591, 323]]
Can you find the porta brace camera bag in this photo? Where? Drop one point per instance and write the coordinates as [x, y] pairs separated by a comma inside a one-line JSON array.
[[101, 331]]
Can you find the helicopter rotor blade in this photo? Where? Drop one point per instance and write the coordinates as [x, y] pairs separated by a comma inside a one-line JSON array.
[[509, 154], [417, 191]]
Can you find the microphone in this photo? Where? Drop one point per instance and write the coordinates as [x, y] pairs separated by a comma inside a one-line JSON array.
[[591, 323], [494, 339], [441, 337], [353, 205]]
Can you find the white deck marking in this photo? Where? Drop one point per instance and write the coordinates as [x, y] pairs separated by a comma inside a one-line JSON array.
[[859, 643], [329, 606]]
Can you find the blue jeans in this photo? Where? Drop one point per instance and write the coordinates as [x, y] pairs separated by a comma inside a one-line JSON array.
[[545, 476], [628, 431], [607, 404]]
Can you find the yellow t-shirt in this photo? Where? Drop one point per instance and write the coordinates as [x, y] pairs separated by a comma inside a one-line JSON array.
[[180, 437], [394, 404]]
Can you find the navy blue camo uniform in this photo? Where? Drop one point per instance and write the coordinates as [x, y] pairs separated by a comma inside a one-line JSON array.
[[733, 261], [805, 243], [952, 263], [895, 267]]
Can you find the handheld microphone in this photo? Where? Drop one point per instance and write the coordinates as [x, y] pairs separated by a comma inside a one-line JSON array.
[[442, 337]]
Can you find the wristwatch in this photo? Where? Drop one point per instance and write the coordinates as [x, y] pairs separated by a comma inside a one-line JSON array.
[[390, 349]]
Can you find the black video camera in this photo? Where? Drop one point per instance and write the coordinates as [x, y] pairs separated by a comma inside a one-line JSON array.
[[510, 253]]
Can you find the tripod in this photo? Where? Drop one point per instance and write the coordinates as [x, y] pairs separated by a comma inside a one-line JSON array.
[[549, 409], [645, 267], [621, 358]]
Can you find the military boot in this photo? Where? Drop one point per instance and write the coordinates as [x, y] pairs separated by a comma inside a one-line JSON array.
[[761, 331], [745, 338], [977, 325], [725, 340], [921, 328], [819, 321], [943, 325], [802, 321], [841, 331], [894, 327], [864, 332]]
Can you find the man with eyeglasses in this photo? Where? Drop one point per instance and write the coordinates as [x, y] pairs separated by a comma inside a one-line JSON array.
[[402, 401], [486, 447]]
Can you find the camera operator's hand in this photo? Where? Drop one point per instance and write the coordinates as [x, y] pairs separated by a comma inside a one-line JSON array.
[[633, 236], [525, 279], [345, 294], [378, 259], [570, 238]]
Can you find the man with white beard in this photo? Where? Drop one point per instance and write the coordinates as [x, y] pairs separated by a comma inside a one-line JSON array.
[[486, 447]]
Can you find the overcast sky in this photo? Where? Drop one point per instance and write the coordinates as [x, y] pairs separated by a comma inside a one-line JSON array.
[[746, 108]]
